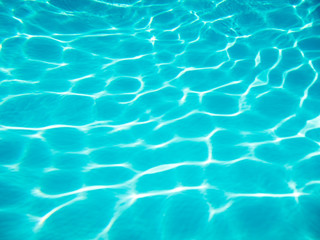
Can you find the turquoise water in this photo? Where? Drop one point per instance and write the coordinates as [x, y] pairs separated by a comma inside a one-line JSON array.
[[159, 120]]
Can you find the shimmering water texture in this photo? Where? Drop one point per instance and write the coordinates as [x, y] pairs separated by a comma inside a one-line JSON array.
[[160, 120]]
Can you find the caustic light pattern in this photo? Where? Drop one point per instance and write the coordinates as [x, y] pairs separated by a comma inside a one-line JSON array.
[[159, 119]]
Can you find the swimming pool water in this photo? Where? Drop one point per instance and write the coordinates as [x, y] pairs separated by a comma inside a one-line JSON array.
[[159, 120]]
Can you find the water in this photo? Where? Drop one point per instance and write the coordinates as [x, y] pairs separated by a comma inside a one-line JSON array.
[[159, 119]]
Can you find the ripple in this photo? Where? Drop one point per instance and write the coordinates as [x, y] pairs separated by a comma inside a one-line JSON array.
[[159, 119]]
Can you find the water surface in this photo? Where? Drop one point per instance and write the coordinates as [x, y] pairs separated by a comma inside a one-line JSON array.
[[162, 120]]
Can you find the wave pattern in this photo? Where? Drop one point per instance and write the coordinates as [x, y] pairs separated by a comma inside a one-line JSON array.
[[159, 119]]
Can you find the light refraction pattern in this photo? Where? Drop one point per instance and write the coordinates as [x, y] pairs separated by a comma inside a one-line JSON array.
[[159, 119]]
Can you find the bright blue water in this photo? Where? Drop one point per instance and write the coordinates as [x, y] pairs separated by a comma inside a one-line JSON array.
[[157, 119]]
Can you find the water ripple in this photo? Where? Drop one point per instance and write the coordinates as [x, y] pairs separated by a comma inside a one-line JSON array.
[[139, 119]]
